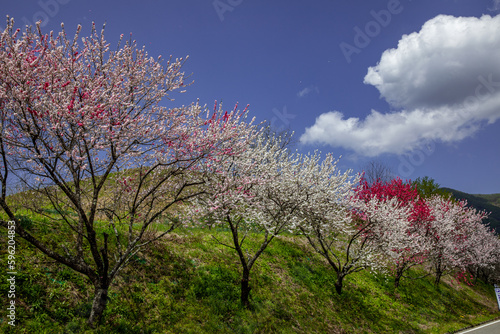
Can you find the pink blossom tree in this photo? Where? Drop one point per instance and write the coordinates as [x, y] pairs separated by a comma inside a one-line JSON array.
[[84, 130], [483, 252], [451, 235]]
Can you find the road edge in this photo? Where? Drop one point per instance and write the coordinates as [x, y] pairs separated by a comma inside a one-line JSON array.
[[476, 325]]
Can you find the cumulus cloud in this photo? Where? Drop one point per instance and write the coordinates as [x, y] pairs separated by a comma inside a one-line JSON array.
[[445, 79], [439, 65], [307, 90]]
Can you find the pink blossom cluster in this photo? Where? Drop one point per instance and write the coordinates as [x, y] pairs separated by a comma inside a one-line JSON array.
[[86, 127]]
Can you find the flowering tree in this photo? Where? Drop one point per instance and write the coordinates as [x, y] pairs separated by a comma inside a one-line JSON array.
[[483, 252], [83, 129], [252, 192], [412, 248], [369, 226], [328, 222], [450, 240]]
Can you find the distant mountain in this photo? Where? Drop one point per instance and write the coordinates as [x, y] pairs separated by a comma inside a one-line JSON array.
[[492, 198], [488, 203]]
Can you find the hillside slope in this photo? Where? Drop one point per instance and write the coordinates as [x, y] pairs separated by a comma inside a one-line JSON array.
[[489, 203], [189, 283]]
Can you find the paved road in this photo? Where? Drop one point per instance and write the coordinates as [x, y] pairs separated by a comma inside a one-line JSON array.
[[489, 328]]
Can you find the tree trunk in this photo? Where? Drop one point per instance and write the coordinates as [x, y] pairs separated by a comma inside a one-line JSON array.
[[439, 273], [397, 278], [245, 289], [98, 305], [479, 275], [438, 278], [338, 284]]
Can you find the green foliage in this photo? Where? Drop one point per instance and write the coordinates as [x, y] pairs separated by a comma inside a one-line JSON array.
[[217, 286], [24, 221], [428, 187]]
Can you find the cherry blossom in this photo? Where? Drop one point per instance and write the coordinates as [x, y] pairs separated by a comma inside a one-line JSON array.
[[250, 193], [85, 127], [453, 236], [411, 248]]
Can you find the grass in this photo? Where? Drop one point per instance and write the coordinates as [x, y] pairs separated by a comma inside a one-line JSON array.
[[188, 283]]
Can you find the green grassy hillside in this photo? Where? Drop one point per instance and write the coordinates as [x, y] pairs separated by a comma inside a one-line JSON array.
[[188, 283]]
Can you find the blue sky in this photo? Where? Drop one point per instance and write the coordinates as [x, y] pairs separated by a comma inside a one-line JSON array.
[[412, 84]]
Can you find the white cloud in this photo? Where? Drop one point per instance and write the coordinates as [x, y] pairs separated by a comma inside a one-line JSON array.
[[440, 64], [308, 90], [445, 79]]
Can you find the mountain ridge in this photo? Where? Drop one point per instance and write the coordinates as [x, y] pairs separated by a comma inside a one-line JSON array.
[[487, 202]]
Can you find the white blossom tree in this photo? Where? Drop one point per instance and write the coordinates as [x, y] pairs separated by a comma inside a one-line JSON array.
[[84, 130], [327, 220], [365, 238], [251, 193], [370, 226]]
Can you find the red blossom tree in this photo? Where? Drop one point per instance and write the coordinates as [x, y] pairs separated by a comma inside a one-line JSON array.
[[412, 249]]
